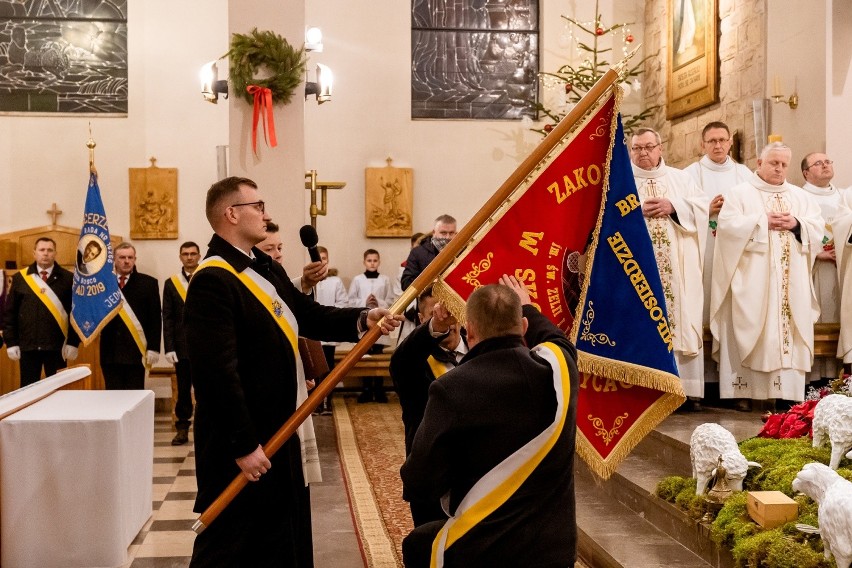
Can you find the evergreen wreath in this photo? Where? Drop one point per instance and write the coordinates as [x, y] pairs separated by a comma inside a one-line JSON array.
[[268, 49]]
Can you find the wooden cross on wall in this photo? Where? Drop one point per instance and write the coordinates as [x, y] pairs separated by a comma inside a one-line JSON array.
[[54, 212]]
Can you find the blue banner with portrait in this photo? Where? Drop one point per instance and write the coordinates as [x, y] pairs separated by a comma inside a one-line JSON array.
[[96, 297]]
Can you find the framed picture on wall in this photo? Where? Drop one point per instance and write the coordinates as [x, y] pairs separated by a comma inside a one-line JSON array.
[[693, 56], [63, 57], [474, 60]]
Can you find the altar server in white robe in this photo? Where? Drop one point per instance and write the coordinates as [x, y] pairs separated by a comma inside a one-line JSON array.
[[676, 213], [842, 229], [763, 307], [818, 171]]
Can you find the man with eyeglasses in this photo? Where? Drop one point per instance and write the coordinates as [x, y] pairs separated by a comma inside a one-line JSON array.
[[242, 317], [715, 173], [675, 213], [762, 305], [818, 171]]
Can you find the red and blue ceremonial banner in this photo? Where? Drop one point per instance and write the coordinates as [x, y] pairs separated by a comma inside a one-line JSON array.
[[95, 297], [574, 233]]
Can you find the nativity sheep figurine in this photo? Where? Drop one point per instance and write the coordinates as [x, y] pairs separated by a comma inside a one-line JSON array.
[[833, 417], [833, 495], [708, 442]]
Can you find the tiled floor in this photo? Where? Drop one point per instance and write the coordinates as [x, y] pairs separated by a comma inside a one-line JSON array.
[[166, 539]]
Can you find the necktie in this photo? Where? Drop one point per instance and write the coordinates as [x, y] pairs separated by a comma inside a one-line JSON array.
[[44, 275], [122, 280]]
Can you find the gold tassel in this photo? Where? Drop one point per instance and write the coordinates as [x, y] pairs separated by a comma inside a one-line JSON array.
[[450, 299]]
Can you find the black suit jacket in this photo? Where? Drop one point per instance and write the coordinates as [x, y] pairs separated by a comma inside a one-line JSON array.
[[412, 375], [142, 292], [28, 323], [498, 399], [173, 333], [418, 259], [244, 372]]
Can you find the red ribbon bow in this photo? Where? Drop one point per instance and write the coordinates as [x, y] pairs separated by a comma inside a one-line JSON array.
[[262, 107]]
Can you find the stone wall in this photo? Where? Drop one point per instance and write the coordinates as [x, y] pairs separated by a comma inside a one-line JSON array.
[[742, 57]]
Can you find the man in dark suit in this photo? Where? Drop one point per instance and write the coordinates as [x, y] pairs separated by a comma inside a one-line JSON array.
[[433, 348], [174, 296], [130, 342], [508, 507], [420, 256], [36, 329], [242, 318]]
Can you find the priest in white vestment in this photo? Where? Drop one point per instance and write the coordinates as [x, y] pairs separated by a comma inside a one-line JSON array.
[[676, 213], [842, 229], [818, 171], [763, 307], [715, 173]]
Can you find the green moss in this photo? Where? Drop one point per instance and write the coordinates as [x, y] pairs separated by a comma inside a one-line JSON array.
[[752, 546]]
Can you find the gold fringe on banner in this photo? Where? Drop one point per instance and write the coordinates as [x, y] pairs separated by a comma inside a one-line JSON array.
[[629, 373], [450, 299]]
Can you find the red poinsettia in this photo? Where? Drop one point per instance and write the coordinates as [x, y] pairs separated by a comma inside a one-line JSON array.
[[792, 424]]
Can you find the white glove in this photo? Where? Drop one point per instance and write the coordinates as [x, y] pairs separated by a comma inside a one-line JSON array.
[[14, 353], [69, 353], [171, 357], [151, 357]]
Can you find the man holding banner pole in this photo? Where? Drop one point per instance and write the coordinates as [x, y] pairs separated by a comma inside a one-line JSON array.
[[242, 318], [130, 343]]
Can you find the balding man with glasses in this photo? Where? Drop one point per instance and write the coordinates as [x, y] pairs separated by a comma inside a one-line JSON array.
[[676, 213], [818, 171]]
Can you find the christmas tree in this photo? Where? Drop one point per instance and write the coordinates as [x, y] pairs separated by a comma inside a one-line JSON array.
[[573, 81]]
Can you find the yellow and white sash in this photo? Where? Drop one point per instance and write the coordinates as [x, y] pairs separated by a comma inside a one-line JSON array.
[[266, 294], [179, 286], [437, 367], [499, 484], [49, 298], [134, 326]]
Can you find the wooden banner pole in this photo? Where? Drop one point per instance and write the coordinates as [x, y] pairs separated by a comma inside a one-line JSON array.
[[429, 274]]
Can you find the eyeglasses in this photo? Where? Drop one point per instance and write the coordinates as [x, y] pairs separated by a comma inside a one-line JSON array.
[[259, 205], [647, 147], [714, 141], [820, 163]]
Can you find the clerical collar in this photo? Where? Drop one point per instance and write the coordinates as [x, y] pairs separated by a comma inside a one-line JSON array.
[[657, 172], [758, 182], [725, 166], [368, 274], [816, 190]]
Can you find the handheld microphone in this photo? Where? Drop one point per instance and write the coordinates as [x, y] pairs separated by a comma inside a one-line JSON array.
[[308, 236]]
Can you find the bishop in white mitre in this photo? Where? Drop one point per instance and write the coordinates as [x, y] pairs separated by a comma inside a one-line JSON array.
[[818, 171], [762, 303], [676, 213]]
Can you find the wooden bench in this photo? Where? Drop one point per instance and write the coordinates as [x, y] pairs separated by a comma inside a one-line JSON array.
[[826, 336], [369, 366]]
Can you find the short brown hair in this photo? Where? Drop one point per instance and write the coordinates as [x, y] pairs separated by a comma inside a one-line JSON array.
[[715, 124], [495, 310], [222, 189], [368, 252], [47, 239], [190, 244]]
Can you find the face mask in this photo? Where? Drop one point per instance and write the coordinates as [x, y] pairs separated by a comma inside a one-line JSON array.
[[440, 243]]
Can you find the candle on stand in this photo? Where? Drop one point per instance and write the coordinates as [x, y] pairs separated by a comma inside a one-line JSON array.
[[774, 138]]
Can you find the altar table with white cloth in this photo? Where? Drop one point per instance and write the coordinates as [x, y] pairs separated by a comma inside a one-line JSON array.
[[75, 478]]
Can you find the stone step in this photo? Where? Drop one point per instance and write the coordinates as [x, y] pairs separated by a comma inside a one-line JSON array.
[[662, 453], [610, 535]]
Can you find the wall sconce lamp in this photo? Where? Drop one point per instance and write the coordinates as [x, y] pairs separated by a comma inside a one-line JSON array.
[[792, 101], [322, 87], [211, 85], [313, 39]]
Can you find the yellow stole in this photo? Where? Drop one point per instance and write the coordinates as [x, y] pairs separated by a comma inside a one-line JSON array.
[[49, 298], [178, 283], [134, 326], [265, 293], [437, 367], [499, 484]]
